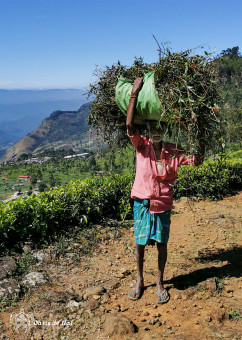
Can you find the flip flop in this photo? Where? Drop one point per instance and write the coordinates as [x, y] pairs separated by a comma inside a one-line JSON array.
[[138, 294], [161, 295]]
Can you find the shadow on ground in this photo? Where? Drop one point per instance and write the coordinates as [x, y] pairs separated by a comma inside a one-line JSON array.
[[231, 269]]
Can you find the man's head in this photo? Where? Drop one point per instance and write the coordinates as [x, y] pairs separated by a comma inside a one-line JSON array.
[[156, 130]]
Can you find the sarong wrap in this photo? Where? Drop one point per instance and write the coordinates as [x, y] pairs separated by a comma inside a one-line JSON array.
[[148, 227]]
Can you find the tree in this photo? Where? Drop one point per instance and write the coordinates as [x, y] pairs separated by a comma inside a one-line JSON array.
[[92, 163], [231, 52], [52, 180], [234, 125], [42, 187]]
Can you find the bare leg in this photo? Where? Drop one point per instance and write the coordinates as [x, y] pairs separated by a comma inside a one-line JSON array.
[[139, 255], [162, 257]]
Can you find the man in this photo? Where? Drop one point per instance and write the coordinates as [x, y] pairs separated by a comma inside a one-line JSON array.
[[156, 172]]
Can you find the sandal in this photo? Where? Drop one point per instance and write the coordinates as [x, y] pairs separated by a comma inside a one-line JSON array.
[[138, 294], [161, 295]]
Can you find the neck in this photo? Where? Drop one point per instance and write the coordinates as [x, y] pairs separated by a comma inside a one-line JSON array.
[[157, 145]]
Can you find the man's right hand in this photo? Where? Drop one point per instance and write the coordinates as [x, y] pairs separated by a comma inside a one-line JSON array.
[[131, 107], [138, 82]]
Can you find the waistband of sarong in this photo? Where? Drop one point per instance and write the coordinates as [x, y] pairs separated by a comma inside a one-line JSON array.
[[143, 201]]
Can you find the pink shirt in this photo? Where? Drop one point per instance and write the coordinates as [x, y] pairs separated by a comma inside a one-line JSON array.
[[148, 184]]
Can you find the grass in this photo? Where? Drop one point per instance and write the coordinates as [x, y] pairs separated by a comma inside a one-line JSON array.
[[235, 315]]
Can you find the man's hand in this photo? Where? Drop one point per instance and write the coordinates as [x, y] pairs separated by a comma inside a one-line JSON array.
[[132, 102], [138, 82]]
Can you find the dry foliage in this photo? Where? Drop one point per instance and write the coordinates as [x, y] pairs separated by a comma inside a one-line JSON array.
[[187, 88]]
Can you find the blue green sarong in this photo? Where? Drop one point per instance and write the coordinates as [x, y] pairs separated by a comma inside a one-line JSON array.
[[148, 227]]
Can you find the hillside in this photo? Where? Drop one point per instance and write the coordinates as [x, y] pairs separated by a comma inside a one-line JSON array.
[[22, 111], [63, 129], [89, 278]]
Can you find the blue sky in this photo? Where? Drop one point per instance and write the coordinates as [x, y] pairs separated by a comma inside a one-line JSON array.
[[58, 43]]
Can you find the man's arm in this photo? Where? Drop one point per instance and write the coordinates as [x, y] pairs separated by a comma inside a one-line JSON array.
[[132, 103], [185, 159]]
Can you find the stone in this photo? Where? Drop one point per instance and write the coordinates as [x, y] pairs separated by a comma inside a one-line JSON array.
[[209, 284], [34, 280], [123, 272], [111, 284], [157, 315], [7, 266], [26, 248], [116, 309], [237, 293], [63, 297], [219, 315], [38, 336], [114, 234], [147, 336], [104, 298], [123, 308], [91, 304], [119, 325], [41, 256], [96, 297], [95, 290], [72, 304], [154, 321], [9, 288], [208, 319]]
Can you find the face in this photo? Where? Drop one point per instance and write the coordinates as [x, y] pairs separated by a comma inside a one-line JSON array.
[[156, 132]]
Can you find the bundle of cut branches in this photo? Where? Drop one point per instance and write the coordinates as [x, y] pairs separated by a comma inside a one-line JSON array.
[[187, 89]]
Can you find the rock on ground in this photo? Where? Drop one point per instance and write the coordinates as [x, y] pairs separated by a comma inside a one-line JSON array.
[[7, 266], [119, 325], [9, 288], [33, 280]]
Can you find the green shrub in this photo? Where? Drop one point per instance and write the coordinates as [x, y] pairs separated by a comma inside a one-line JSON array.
[[235, 154], [40, 218], [212, 180]]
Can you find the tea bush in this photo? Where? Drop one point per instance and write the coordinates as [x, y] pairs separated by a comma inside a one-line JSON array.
[[212, 180], [37, 219]]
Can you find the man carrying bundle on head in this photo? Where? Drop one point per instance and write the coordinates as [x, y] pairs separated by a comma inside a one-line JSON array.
[[156, 172]]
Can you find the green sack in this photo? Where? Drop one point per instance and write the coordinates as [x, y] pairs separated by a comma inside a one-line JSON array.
[[148, 104]]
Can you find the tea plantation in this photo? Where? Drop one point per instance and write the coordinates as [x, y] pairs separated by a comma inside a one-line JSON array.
[[82, 203]]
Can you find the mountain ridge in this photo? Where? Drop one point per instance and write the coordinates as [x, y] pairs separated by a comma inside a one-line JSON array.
[[61, 126]]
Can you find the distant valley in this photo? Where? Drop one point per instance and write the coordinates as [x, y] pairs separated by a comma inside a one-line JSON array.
[[21, 111], [61, 130]]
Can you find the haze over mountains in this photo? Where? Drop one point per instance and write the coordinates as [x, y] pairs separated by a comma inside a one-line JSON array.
[[61, 130], [22, 111]]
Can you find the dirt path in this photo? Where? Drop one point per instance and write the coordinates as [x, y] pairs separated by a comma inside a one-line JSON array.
[[203, 276]]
